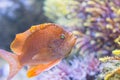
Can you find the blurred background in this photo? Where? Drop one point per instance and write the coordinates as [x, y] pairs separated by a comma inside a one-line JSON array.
[[17, 16], [96, 23]]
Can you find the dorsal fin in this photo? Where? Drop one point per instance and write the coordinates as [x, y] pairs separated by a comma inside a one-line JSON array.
[[39, 27], [17, 45], [20, 38]]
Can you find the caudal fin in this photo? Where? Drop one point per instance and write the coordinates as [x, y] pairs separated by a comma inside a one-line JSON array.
[[13, 61]]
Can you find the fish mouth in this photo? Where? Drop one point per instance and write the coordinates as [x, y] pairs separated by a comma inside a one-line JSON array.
[[72, 39]]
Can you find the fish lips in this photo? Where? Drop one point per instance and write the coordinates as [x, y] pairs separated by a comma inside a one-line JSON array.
[[72, 39]]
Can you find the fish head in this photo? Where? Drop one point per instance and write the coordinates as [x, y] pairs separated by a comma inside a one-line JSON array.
[[62, 41]]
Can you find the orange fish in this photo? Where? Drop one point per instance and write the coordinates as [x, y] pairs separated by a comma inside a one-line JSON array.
[[40, 47]]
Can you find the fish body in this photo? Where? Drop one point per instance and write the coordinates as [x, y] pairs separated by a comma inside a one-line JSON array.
[[40, 47]]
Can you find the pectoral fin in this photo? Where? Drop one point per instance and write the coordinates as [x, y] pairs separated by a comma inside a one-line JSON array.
[[35, 70], [44, 55]]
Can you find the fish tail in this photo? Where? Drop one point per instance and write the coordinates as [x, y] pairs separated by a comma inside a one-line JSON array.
[[13, 61]]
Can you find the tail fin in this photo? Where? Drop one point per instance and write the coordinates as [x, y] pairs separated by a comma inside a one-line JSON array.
[[13, 61]]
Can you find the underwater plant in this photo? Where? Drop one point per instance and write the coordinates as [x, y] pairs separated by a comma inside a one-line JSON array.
[[110, 68], [60, 11]]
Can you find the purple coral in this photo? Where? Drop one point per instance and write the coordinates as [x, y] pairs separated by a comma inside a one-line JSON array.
[[75, 69], [96, 23], [101, 25]]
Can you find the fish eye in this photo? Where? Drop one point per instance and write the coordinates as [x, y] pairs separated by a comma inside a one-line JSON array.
[[62, 36]]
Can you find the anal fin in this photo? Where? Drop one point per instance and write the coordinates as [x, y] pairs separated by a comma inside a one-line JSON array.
[[35, 70]]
